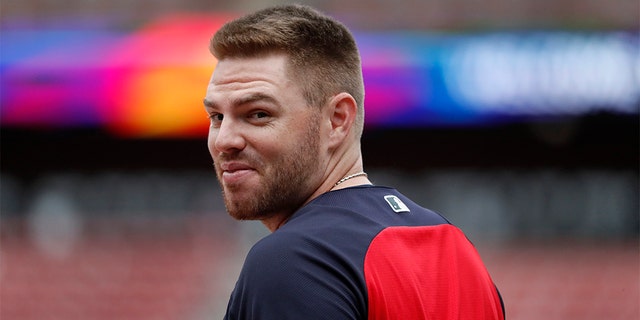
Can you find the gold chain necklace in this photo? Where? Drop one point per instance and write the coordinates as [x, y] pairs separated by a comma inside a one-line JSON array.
[[361, 173]]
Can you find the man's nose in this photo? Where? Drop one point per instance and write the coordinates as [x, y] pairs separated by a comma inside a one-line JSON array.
[[228, 137]]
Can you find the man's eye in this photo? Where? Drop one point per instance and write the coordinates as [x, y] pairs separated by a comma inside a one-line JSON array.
[[216, 117], [260, 115]]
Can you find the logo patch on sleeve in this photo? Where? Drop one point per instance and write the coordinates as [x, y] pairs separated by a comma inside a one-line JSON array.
[[396, 204]]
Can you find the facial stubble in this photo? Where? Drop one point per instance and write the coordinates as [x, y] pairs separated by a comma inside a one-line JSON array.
[[286, 182]]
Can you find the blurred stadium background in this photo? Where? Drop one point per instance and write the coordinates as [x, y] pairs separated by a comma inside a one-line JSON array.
[[518, 120]]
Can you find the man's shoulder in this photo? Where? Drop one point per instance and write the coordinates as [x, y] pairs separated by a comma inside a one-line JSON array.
[[286, 259], [377, 206], [320, 238]]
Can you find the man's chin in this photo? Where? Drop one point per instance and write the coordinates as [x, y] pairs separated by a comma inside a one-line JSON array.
[[241, 212]]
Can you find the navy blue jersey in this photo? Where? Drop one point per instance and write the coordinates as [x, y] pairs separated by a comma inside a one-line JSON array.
[[364, 252]]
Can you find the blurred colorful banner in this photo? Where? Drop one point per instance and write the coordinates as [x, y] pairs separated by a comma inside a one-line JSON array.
[[150, 82], [147, 83]]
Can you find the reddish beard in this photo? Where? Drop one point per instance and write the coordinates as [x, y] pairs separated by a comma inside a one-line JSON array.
[[285, 182]]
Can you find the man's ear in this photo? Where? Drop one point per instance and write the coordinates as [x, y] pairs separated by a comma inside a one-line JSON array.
[[343, 109]]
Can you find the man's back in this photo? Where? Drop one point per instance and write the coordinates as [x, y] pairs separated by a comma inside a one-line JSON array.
[[364, 253]]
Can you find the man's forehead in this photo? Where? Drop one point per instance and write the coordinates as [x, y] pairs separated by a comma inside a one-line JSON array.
[[276, 63]]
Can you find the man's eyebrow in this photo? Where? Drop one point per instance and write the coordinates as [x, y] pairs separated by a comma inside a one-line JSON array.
[[208, 104], [250, 98], [254, 97]]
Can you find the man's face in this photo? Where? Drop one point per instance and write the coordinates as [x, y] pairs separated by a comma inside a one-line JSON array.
[[263, 138]]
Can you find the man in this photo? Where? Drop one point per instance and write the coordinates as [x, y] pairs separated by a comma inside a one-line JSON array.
[[286, 103]]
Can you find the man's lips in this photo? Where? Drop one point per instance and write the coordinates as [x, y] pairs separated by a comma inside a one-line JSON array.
[[233, 172], [234, 166]]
